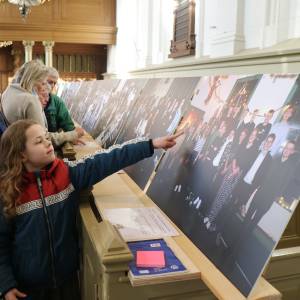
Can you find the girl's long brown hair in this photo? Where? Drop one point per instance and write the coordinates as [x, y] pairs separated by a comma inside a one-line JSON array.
[[12, 145]]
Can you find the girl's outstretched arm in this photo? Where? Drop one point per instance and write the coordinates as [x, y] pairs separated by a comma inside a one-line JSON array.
[[89, 170], [166, 142]]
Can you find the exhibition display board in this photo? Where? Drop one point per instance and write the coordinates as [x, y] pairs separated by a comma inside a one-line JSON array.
[[231, 183], [106, 256]]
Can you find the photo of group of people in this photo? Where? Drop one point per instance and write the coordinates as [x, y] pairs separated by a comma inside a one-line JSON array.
[[117, 110], [82, 100], [67, 92], [157, 112], [100, 94], [232, 181]]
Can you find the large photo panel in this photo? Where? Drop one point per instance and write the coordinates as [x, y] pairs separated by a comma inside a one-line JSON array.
[[100, 97], [68, 95], [157, 112], [232, 182], [211, 94], [118, 109], [81, 100]]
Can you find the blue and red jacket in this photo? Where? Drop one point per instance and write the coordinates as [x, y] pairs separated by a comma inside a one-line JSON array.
[[39, 247]]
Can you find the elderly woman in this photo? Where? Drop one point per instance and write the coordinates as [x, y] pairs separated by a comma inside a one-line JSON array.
[[20, 100]]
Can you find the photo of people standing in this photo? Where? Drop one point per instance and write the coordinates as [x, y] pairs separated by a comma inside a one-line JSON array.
[[102, 91], [233, 187], [117, 110], [159, 108], [232, 181]]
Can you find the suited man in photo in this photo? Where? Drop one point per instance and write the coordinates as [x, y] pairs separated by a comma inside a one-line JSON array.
[[275, 183], [264, 128], [248, 122], [254, 175], [292, 190]]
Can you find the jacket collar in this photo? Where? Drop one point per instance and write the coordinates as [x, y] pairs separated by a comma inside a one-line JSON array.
[[47, 172], [17, 86]]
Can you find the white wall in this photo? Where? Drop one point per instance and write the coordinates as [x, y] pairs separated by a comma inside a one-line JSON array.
[[145, 28], [254, 26], [223, 29]]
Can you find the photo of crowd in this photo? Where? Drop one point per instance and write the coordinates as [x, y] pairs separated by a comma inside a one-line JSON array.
[[157, 112], [82, 100], [93, 120], [232, 181], [235, 175], [117, 110], [68, 94], [211, 93]]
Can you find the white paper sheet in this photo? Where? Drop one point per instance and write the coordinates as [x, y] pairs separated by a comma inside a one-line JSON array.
[[142, 223]]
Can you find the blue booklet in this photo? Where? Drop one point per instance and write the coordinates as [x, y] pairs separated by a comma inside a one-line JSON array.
[[173, 264]]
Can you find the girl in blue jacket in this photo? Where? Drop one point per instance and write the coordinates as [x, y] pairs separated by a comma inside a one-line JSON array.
[[39, 204]]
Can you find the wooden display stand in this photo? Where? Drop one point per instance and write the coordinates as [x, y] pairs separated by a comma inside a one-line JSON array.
[[68, 151], [106, 255]]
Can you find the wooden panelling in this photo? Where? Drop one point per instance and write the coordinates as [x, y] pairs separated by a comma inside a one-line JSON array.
[[71, 21], [73, 61], [72, 10], [291, 236], [283, 272], [5, 59], [183, 42], [6, 67]]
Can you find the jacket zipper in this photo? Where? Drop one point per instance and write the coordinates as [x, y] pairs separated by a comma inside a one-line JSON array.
[[50, 234]]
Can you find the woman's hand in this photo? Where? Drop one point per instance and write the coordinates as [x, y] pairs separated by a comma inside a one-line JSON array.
[[80, 132], [78, 142], [166, 142], [14, 294]]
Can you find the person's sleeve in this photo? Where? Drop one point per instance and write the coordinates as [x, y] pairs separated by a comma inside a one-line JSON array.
[[64, 119], [89, 170], [7, 279], [58, 138], [34, 111]]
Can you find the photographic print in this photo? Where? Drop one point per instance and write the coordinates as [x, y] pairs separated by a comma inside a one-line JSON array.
[[168, 184], [68, 95], [157, 112], [117, 110], [82, 101], [211, 94], [100, 95], [227, 188]]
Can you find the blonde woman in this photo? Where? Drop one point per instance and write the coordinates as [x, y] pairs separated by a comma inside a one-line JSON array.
[[20, 100]]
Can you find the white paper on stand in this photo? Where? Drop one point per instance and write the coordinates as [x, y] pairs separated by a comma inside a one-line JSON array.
[[141, 223]]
